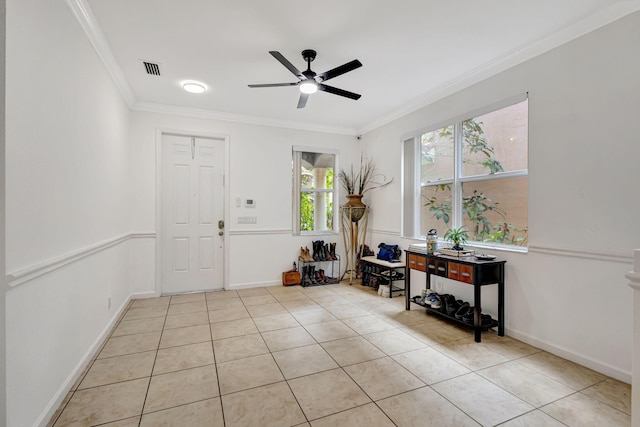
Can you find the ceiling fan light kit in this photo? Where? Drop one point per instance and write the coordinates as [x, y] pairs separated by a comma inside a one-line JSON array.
[[311, 82], [308, 87]]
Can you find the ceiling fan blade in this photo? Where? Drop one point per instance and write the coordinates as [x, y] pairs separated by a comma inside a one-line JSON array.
[[338, 71], [336, 91], [275, 84], [284, 61], [303, 100]]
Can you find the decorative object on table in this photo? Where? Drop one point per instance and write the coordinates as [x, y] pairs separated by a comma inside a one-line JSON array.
[[432, 241], [457, 236], [485, 257], [356, 184]]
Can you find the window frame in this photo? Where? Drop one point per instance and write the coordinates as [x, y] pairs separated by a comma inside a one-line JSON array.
[[413, 186], [296, 156]]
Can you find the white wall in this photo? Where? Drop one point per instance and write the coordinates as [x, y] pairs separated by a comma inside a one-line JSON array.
[[260, 168], [3, 284], [568, 294], [67, 192]]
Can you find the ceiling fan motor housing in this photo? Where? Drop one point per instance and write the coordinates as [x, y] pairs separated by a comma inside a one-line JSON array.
[[309, 55]]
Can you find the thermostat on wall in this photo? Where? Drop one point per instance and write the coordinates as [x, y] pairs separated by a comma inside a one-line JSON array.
[[249, 203]]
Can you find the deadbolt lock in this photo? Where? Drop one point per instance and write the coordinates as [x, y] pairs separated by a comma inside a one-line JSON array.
[[221, 224]]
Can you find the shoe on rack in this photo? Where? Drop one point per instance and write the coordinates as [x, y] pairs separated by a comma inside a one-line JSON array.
[[435, 302], [307, 255], [468, 316], [464, 309], [451, 305]]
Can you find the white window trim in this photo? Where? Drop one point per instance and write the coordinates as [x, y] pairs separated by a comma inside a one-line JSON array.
[[297, 187], [411, 226]]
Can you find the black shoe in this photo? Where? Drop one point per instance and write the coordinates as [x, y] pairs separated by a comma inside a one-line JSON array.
[[486, 320], [464, 309], [451, 305], [468, 316]]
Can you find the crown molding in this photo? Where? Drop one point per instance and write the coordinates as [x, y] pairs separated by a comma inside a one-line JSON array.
[[239, 118], [509, 60], [89, 24]]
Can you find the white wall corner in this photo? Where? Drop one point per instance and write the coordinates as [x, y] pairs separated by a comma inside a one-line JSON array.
[[634, 283]]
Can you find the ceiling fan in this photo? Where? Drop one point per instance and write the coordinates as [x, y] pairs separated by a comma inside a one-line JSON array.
[[309, 81]]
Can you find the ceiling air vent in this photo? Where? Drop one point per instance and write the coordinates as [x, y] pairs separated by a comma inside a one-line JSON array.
[[151, 68]]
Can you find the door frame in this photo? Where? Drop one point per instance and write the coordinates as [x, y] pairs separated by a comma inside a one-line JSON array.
[[226, 198]]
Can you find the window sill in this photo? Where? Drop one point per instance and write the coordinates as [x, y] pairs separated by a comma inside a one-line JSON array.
[[486, 246], [318, 233]]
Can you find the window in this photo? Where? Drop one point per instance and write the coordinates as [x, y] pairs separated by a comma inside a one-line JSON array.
[[314, 192], [471, 173]]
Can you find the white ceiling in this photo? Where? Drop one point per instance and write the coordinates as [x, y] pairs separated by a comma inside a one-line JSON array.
[[412, 51]]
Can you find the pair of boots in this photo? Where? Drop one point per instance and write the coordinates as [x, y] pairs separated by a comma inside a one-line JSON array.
[[312, 277], [324, 252], [305, 255]]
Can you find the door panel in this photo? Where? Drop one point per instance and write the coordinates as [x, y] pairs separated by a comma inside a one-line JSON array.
[[206, 195], [192, 205], [180, 255]]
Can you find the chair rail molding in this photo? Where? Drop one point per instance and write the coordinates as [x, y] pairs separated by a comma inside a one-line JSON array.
[[40, 269]]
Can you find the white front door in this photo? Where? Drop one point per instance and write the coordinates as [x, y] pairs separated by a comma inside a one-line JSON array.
[[192, 213]]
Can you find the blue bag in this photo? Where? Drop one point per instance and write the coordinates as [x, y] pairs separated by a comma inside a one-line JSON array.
[[388, 252]]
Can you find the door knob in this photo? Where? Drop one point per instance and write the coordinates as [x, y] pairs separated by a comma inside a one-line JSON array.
[[221, 233]]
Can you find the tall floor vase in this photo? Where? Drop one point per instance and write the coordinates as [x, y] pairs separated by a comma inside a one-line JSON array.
[[354, 233]]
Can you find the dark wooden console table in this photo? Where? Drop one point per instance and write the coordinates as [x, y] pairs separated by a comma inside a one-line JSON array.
[[469, 270]]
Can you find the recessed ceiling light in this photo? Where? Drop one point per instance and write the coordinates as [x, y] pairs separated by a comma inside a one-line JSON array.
[[194, 87]]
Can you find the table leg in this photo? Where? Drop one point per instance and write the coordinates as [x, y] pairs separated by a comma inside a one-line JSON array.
[[501, 307], [477, 321]]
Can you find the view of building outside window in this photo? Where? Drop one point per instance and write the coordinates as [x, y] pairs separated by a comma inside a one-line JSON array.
[[316, 191], [490, 181]]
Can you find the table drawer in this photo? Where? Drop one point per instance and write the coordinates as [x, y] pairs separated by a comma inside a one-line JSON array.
[[453, 272], [417, 262], [441, 268], [466, 273], [460, 272]]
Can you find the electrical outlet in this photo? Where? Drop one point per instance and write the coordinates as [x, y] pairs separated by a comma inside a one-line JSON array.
[[439, 286]]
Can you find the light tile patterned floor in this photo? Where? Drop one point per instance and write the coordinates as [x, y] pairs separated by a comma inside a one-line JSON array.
[[335, 355]]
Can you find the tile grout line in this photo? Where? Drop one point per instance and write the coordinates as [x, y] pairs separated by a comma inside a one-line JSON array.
[[153, 366], [215, 363]]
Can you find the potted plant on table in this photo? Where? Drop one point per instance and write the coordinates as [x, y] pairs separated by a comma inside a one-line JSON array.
[[457, 236]]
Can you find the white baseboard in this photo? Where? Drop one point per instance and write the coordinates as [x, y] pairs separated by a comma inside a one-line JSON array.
[[603, 368], [250, 285], [74, 376], [144, 295]]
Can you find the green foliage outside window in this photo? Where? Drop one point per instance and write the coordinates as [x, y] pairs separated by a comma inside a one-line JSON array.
[[307, 204], [477, 206]]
